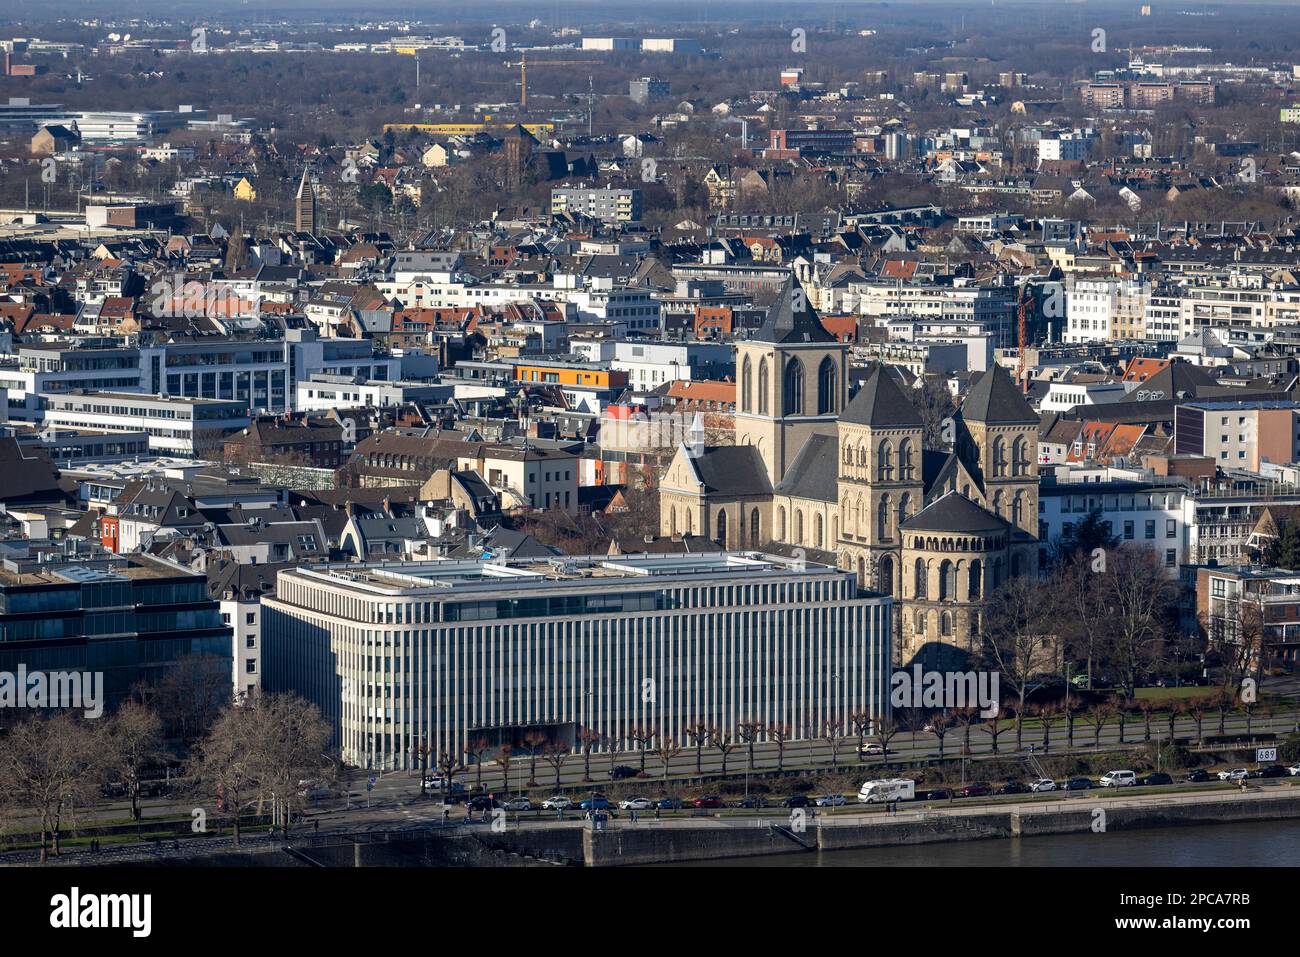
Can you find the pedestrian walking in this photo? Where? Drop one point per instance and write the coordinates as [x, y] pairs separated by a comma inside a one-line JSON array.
[[316, 825], [656, 812]]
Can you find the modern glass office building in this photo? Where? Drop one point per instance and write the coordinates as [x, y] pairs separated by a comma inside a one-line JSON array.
[[437, 654], [131, 618]]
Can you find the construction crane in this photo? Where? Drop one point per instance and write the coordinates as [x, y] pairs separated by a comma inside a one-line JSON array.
[[523, 73], [1025, 302]]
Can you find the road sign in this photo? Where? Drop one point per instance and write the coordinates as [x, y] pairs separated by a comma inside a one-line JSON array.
[[1263, 755], [370, 784]]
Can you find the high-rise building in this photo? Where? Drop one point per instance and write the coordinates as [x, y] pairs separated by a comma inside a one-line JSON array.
[[441, 653]]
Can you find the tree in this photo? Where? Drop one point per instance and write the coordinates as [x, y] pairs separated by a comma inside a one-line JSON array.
[[291, 738], [1088, 534], [642, 736], [779, 733], [939, 726], [135, 741], [832, 731], [667, 749], [886, 730], [1099, 714], [1142, 600], [1284, 550], [555, 754], [1197, 707], [1048, 713], [724, 745], [860, 721], [227, 761], [698, 733], [503, 761], [993, 727], [1119, 707], [474, 750], [1175, 709], [1019, 641], [50, 765], [534, 741], [748, 731], [588, 739], [190, 696]]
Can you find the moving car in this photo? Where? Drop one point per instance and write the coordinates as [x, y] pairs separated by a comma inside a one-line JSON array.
[[518, 804], [753, 801], [1014, 787], [1272, 771], [708, 801], [832, 800], [483, 802], [1118, 779], [669, 803], [623, 771], [1236, 774], [976, 789], [636, 804], [871, 748], [1077, 784], [938, 794], [797, 800], [1155, 779], [557, 803], [1042, 784], [597, 802], [1294, 770], [1199, 776]]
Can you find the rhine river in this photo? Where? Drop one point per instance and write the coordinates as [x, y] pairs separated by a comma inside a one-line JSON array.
[[1254, 844]]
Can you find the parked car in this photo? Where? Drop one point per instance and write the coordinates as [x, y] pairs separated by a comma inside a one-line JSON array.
[[797, 800], [752, 802], [483, 802], [597, 802], [871, 747], [669, 803], [708, 801], [518, 804], [938, 794], [1077, 784], [636, 804], [1118, 779], [1294, 770], [1198, 776], [1235, 775], [1272, 771], [623, 771], [557, 803], [1014, 787], [1042, 784], [832, 800], [1155, 779], [976, 789]]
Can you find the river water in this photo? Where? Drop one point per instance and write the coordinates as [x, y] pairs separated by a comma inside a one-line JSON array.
[[1254, 844]]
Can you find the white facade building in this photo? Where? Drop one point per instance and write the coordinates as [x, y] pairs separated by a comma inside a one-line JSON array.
[[437, 652]]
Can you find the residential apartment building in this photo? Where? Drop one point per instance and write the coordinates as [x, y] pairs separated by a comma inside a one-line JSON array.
[[443, 652], [606, 205]]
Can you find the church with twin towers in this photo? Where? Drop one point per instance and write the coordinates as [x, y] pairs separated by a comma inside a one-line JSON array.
[[849, 482]]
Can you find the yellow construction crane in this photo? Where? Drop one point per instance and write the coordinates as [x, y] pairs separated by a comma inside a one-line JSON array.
[[523, 73]]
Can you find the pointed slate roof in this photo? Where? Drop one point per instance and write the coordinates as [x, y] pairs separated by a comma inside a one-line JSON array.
[[881, 404], [954, 512], [732, 470], [814, 474], [791, 319], [995, 400]]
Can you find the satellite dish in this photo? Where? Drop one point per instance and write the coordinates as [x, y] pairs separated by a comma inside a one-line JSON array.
[[126, 37]]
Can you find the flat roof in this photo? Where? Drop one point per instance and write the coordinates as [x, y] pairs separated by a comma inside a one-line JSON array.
[[462, 578]]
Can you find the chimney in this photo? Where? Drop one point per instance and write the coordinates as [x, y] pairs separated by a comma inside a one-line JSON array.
[[388, 506], [349, 509]]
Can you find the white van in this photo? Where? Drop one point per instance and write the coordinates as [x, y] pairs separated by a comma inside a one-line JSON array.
[[878, 792], [1118, 779]]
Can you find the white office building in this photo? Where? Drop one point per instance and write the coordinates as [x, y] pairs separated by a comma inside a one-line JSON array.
[[446, 652], [175, 426]]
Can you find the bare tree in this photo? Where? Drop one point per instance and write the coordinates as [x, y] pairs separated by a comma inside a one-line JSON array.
[[555, 754], [1048, 713], [698, 734], [748, 732], [886, 730], [135, 741], [1099, 714], [723, 744], [50, 765], [1197, 707], [939, 725], [1146, 706], [860, 721], [1119, 705], [1142, 600], [993, 727], [966, 718], [534, 741], [588, 739], [832, 732], [667, 749], [642, 736], [504, 754], [780, 734], [1019, 642], [474, 750]]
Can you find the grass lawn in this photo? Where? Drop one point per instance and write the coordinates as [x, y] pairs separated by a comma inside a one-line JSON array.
[[1171, 694]]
